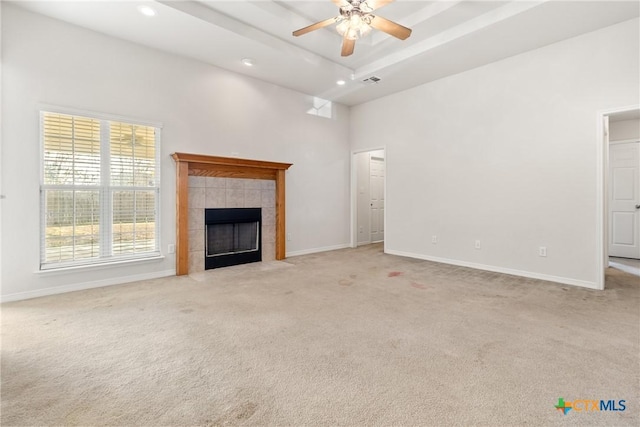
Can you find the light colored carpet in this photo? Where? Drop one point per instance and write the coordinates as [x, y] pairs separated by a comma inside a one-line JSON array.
[[350, 337]]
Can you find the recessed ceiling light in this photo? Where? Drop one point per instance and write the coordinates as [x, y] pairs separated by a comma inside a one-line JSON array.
[[341, 83], [248, 62], [146, 10]]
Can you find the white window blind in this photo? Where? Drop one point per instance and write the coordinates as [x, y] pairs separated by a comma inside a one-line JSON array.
[[99, 191]]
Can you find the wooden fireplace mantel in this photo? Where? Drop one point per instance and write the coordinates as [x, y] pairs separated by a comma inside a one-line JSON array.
[[228, 167]]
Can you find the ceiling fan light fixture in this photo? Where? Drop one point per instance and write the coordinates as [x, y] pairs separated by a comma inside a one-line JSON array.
[[343, 26], [353, 26], [356, 21]]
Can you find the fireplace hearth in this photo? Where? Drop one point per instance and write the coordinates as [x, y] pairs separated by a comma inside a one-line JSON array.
[[233, 236]]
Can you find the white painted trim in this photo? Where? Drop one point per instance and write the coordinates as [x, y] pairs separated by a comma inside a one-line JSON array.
[[98, 266], [602, 171], [353, 194], [528, 274], [316, 250], [2, 196], [624, 141], [19, 296]]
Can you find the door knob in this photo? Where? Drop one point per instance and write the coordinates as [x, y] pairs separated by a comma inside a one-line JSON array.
[[637, 206]]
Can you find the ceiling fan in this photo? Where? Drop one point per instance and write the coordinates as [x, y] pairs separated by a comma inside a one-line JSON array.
[[355, 21]]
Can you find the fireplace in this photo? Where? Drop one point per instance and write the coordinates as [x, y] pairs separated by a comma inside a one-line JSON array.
[[191, 200], [232, 236]]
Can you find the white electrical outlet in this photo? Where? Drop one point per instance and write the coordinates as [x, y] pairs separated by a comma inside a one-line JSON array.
[[288, 237], [361, 230], [542, 251], [171, 248], [434, 239], [478, 244]]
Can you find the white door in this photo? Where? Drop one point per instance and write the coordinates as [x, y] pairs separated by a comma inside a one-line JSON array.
[[376, 187], [624, 200]]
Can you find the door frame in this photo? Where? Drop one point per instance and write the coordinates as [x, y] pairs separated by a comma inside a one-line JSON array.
[[602, 192], [354, 195]]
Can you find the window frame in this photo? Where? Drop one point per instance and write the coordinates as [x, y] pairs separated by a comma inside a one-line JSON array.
[[105, 191]]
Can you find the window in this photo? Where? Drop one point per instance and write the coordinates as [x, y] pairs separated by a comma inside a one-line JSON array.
[[100, 190], [321, 107]]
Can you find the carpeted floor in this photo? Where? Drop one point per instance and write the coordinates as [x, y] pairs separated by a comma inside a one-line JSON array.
[[350, 337]]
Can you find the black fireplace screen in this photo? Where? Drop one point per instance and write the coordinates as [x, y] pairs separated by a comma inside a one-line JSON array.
[[232, 236], [226, 239]]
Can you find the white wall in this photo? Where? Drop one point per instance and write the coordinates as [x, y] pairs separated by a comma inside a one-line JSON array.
[[624, 130], [204, 110], [504, 154]]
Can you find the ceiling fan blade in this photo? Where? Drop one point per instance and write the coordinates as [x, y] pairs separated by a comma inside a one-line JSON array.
[[377, 4], [390, 27], [315, 26], [347, 46]]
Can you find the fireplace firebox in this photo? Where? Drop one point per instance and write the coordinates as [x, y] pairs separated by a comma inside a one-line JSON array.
[[232, 236]]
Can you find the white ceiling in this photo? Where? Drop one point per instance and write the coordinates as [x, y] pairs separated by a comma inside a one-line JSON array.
[[448, 36]]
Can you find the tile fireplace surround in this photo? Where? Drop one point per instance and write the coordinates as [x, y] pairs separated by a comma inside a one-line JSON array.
[[223, 182], [216, 192]]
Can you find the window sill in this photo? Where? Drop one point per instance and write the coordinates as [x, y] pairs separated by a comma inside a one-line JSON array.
[[101, 266]]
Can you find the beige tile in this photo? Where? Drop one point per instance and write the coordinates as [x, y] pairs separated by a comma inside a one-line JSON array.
[[268, 199], [269, 216], [215, 182], [196, 219], [268, 184], [196, 261], [246, 182], [234, 198], [253, 184], [252, 198], [215, 197], [196, 181], [268, 234], [196, 241], [196, 198], [268, 251], [235, 184]]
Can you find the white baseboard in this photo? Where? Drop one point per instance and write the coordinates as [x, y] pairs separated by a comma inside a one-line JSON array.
[[87, 285], [528, 274], [316, 250]]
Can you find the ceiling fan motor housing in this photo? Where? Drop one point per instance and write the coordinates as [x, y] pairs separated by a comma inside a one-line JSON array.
[[356, 7]]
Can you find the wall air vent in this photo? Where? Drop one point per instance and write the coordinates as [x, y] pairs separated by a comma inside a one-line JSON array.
[[371, 80]]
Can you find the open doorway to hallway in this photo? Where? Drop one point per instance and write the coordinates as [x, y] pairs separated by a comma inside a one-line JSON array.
[[622, 190], [368, 202]]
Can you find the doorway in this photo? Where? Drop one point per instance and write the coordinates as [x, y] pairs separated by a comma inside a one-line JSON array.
[[620, 202], [368, 197]]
